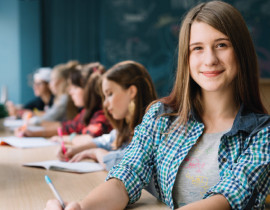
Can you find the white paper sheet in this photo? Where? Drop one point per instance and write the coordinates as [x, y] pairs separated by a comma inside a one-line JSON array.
[[77, 167], [27, 142]]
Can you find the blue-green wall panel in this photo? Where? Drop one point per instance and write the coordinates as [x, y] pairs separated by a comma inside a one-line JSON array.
[[70, 31], [9, 51], [30, 45]]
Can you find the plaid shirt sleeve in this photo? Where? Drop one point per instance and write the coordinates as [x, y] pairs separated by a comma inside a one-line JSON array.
[[98, 125], [135, 169], [249, 175], [75, 125]]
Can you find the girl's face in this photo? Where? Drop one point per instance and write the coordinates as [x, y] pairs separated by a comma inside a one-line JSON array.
[[40, 87], [117, 99], [212, 61], [54, 83], [76, 94]]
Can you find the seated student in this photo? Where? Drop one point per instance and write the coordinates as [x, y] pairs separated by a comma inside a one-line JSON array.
[[83, 88], [128, 89], [58, 85], [206, 145], [93, 120], [43, 99]]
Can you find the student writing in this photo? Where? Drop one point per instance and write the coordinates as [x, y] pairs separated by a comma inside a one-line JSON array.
[[127, 90], [83, 89]]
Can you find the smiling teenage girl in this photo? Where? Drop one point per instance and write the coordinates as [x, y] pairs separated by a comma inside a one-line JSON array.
[[206, 145]]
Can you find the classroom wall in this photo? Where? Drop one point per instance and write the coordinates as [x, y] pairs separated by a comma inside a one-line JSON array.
[[9, 50], [30, 45], [20, 51], [49, 32]]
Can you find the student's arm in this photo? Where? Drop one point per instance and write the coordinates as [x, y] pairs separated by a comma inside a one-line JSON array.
[[42, 133], [109, 195], [82, 139], [96, 154], [212, 203], [73, 150], [54, 113]]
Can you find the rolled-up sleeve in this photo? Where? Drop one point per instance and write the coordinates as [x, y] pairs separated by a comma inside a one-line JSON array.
[[135, 169], [105, 141]]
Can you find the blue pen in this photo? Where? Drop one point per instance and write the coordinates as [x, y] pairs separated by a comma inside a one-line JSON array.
[[49, 182]]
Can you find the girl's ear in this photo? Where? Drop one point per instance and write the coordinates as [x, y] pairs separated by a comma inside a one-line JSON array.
[[133, 91]]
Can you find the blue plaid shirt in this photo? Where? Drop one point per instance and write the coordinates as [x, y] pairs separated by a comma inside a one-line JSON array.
[[159, 147]]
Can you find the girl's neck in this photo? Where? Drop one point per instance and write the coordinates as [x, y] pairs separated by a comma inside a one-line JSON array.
[[219, 111]]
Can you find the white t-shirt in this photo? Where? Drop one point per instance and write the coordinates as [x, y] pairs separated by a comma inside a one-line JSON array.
[[199, 171]]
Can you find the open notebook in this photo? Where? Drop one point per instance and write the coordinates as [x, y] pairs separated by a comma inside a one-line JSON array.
[[26, 142], [76, 167]]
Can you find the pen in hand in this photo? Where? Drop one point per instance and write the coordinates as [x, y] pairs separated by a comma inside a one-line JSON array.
[[23, 128], [60, 134], [49, 182]]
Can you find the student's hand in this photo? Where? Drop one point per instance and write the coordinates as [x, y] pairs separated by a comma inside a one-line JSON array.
[[55, 139], [22, 132], [96, 154], [55, 205], [90, 153], [11, 108], [58, 139], [27, 114], [19, 132], [70, 152]]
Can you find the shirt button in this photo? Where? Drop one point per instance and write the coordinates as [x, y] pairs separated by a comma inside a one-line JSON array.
[[224, 160]]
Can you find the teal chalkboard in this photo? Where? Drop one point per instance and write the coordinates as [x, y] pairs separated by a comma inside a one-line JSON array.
[[144, 31], [147, 31]]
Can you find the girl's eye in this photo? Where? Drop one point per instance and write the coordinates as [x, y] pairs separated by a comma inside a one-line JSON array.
[[196, 48], [221, 45]]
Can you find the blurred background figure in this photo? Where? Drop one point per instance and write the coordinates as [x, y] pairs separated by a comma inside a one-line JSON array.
[[62, 108], [84, 91], [43, 96]]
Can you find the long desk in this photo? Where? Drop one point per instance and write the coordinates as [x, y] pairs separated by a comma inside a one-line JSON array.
[[25, 187]]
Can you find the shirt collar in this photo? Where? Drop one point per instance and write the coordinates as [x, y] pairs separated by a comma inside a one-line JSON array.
[[245, 121]]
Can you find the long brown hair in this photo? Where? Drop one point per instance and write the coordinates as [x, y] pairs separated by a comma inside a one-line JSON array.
[[87, 76], [62, 72], [126, 74], [92, 96], [226, 19]]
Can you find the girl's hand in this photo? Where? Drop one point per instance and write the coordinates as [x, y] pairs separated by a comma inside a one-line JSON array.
[[55, 205], [23, 132], [58, 139], [90, 153], [55, 139], [11, 108], [70, 152], [64, 157], [96, 154]]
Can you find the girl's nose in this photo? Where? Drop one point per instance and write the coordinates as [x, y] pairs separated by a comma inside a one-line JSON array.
[[105, 103], [210, 57]]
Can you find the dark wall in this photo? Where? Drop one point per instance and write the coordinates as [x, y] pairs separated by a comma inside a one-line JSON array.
[[145, 31], [69, 31]]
